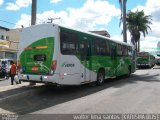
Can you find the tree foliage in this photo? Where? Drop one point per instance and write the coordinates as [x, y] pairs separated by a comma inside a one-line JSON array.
[[137, 23]]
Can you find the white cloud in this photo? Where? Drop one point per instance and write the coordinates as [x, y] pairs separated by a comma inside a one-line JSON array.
[[85, 18], [94, 13], [55, 1], [1, 2], [18, 4], [149, 43], [25, 20]]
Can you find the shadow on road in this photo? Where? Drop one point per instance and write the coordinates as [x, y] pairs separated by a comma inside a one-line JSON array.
[[50, 96]]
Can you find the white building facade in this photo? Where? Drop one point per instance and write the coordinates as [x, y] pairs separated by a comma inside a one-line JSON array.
[[9, 39]]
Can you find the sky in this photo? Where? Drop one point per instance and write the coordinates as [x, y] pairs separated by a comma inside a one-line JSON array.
[[87, 15]]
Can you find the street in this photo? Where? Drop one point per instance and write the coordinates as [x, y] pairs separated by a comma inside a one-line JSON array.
[[138, 93]]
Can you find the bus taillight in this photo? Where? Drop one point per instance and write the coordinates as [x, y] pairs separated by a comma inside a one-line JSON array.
[[53, 66]]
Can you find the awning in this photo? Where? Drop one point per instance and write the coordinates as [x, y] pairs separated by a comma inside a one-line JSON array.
[[4, 43]]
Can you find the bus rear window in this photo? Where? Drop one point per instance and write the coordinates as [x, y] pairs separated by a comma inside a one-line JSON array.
[[39, 57]]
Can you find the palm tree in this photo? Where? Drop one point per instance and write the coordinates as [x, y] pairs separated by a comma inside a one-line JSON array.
[[123, 18], [33, 12], [137, 23]]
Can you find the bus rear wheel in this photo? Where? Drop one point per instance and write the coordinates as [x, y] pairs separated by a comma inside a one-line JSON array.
[[100, 78], [129, 70]]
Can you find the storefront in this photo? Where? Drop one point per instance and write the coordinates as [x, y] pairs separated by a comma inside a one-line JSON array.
[[9, 39]]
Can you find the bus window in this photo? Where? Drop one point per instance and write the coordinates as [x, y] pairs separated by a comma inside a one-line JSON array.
[[124, 50], [107, 48], [113, 51], [69, 44], [119, 50], [84, 50], [129, 51], [99, 47]]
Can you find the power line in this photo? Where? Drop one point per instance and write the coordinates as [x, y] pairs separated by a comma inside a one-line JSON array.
[[10, 23]]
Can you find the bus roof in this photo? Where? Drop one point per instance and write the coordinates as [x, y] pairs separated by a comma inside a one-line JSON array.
[[86, 32], [94, 34]]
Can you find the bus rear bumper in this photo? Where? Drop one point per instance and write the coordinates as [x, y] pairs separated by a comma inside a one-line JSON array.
[[39, 78]]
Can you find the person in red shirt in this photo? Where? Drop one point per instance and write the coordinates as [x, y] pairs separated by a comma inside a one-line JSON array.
[[13, 72]]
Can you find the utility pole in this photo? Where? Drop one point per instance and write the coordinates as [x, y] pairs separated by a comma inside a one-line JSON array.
[[33, 12], [124, 22], [33, 22]]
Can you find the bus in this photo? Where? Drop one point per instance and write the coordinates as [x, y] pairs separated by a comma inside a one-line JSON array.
[[145, 59], [50, 53], [158, 59]]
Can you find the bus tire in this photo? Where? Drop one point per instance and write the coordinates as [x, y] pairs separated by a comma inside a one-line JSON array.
[[100, 78], [129, 70]]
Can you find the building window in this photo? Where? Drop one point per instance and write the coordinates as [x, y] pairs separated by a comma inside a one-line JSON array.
[[7, 37], [2, 37]]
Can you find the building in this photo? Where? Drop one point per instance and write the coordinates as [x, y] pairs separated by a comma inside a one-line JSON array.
[[101, 32], [158, 45], [9, 39]]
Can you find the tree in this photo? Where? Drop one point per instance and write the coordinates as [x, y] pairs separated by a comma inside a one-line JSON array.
[[123, 18], [137, 23]]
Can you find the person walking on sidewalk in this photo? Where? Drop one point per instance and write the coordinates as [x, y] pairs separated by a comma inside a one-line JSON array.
[[12, 72], [4, 69]]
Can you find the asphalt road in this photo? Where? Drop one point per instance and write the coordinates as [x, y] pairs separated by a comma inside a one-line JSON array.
[[138, 93]]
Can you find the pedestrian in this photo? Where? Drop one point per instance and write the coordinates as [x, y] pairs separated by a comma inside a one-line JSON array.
[[0, 71], [4, 69], [13, 72]]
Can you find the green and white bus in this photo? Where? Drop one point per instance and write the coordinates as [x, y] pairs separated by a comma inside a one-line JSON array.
[[51, 53], [145, 59]]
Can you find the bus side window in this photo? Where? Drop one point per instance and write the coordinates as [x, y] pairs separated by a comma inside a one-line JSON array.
[[124, 50], [119, 50], [107, 48], [113, 52], [129, 51], [69, 43], [82, 51], [99, 47]]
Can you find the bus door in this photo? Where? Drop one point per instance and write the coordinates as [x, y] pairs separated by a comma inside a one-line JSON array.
[[84, 47], [114, 60]]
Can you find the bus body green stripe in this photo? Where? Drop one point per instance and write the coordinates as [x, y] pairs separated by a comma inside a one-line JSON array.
[[27, 56]]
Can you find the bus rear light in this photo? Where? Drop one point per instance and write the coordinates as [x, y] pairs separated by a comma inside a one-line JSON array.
[[53, 66], [41, 47], [28, 48], [46, 77]]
